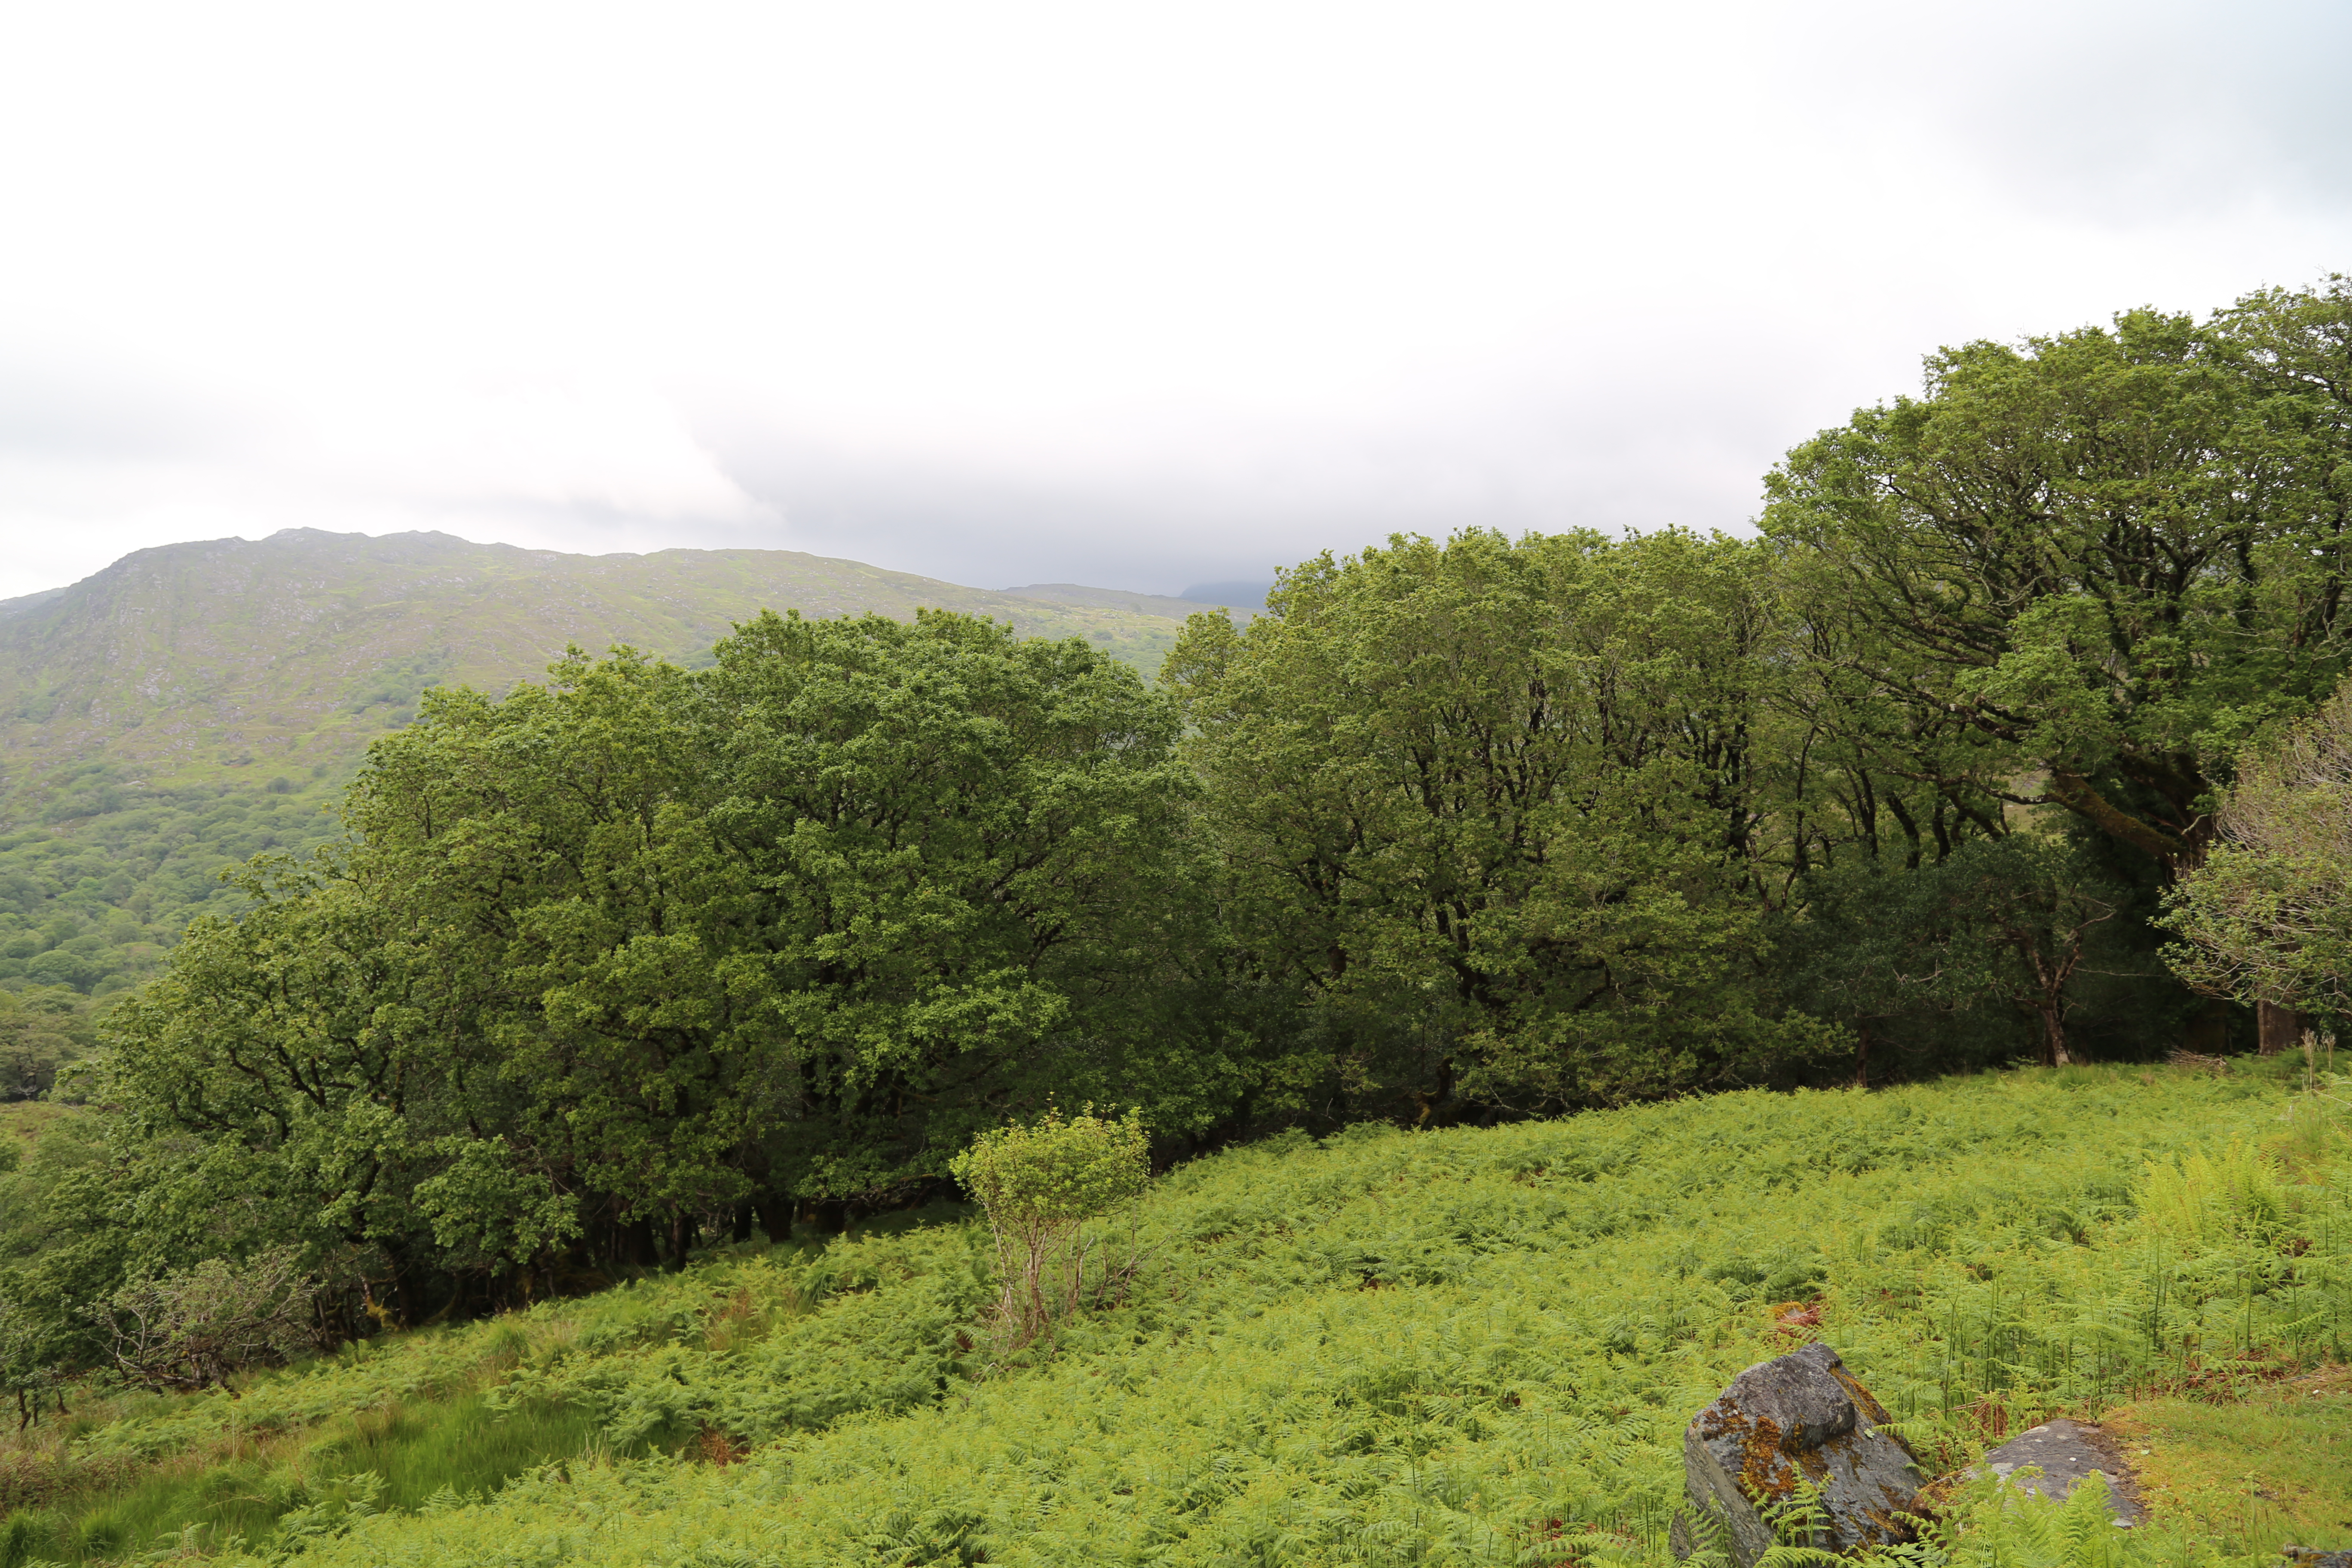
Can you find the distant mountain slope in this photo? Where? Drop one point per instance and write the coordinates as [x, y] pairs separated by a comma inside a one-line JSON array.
[[195, 704], [202, 660], [1113, 599]]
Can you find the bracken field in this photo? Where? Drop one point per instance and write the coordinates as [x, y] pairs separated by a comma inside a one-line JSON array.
[[1461, 1346]]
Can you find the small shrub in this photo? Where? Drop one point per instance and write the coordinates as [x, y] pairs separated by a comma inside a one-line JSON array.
[[192, 1329], [1040, 1184]]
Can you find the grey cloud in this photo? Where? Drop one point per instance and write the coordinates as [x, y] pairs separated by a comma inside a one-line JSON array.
[[83, 407], [1625, 456], [2133, 113]]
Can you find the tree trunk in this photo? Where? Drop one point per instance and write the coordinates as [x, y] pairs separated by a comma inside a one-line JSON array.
[[1862, 1053], [2279, 1026], [407, 1295], [2053, 1038]]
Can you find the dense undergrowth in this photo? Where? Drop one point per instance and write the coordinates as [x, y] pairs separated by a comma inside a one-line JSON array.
[[1460, 1346]]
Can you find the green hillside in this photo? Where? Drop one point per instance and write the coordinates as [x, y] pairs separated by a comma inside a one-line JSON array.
[[1468, 1346], [193, 705]]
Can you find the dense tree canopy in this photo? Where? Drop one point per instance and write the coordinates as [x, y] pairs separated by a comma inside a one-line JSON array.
[[611, 956], [1496, 809], [2112, 554]]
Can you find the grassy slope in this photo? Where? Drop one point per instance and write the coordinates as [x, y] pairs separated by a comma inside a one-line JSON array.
[[1472, 1346], [2275, 1465], [194, 705]]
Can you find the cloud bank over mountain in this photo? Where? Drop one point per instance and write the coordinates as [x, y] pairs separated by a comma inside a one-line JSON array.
[[1065, 293]]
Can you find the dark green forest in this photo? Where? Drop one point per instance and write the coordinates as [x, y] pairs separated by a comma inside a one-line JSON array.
[[1926, 777]]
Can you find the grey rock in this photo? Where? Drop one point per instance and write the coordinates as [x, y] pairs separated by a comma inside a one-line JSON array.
[[1801, 1418], [2066, 1453], [2312, 1557]]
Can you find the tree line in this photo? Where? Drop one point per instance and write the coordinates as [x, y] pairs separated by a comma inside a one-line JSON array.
[[1925, 776]]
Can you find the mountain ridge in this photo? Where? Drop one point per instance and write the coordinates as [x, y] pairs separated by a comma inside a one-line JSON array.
[[194, 659]]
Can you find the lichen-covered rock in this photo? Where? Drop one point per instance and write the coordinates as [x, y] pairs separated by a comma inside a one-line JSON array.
[[1801, 1418]]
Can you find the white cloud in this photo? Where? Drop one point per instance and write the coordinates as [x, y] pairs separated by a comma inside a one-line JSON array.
[[1014, 292]]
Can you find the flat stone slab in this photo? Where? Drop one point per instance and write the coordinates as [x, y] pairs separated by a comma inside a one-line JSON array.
[[2312, 1557], [2067, 1451]]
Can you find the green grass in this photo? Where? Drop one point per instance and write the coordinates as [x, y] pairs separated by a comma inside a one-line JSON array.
[[1463, 1346], [2269, 1465], [453, 1448]]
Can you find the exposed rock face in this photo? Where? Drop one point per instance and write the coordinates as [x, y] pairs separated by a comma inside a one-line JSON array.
[[1800, 1418], [2066, 1452]]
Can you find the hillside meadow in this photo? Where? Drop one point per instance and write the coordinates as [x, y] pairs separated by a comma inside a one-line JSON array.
[[1468, 1345]]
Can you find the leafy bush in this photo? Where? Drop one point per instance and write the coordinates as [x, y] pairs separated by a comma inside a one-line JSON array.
[[2268, 913], [1040, 1183]]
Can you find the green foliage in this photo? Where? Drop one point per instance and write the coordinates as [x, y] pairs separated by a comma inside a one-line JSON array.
[[1995, 1524], [2113, 555], [1496, 810], [2082, 572], [1040, 1182], [42, 1031], [95, 894], [192, 1329], [2203, 1199], [135, 764], [602, 970], [2268, 913], [1469, 1346], [647, 947], [763, 1345], [1055, 1169], [1997, 933], [64, 1197]]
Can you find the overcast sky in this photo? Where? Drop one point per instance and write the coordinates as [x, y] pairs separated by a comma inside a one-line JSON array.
[[1140, 296]]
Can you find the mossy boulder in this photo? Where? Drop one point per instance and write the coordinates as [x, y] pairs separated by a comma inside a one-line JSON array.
[[1782, 1425]]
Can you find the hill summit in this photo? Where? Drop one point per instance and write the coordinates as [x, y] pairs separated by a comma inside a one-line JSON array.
[[225, 658]]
